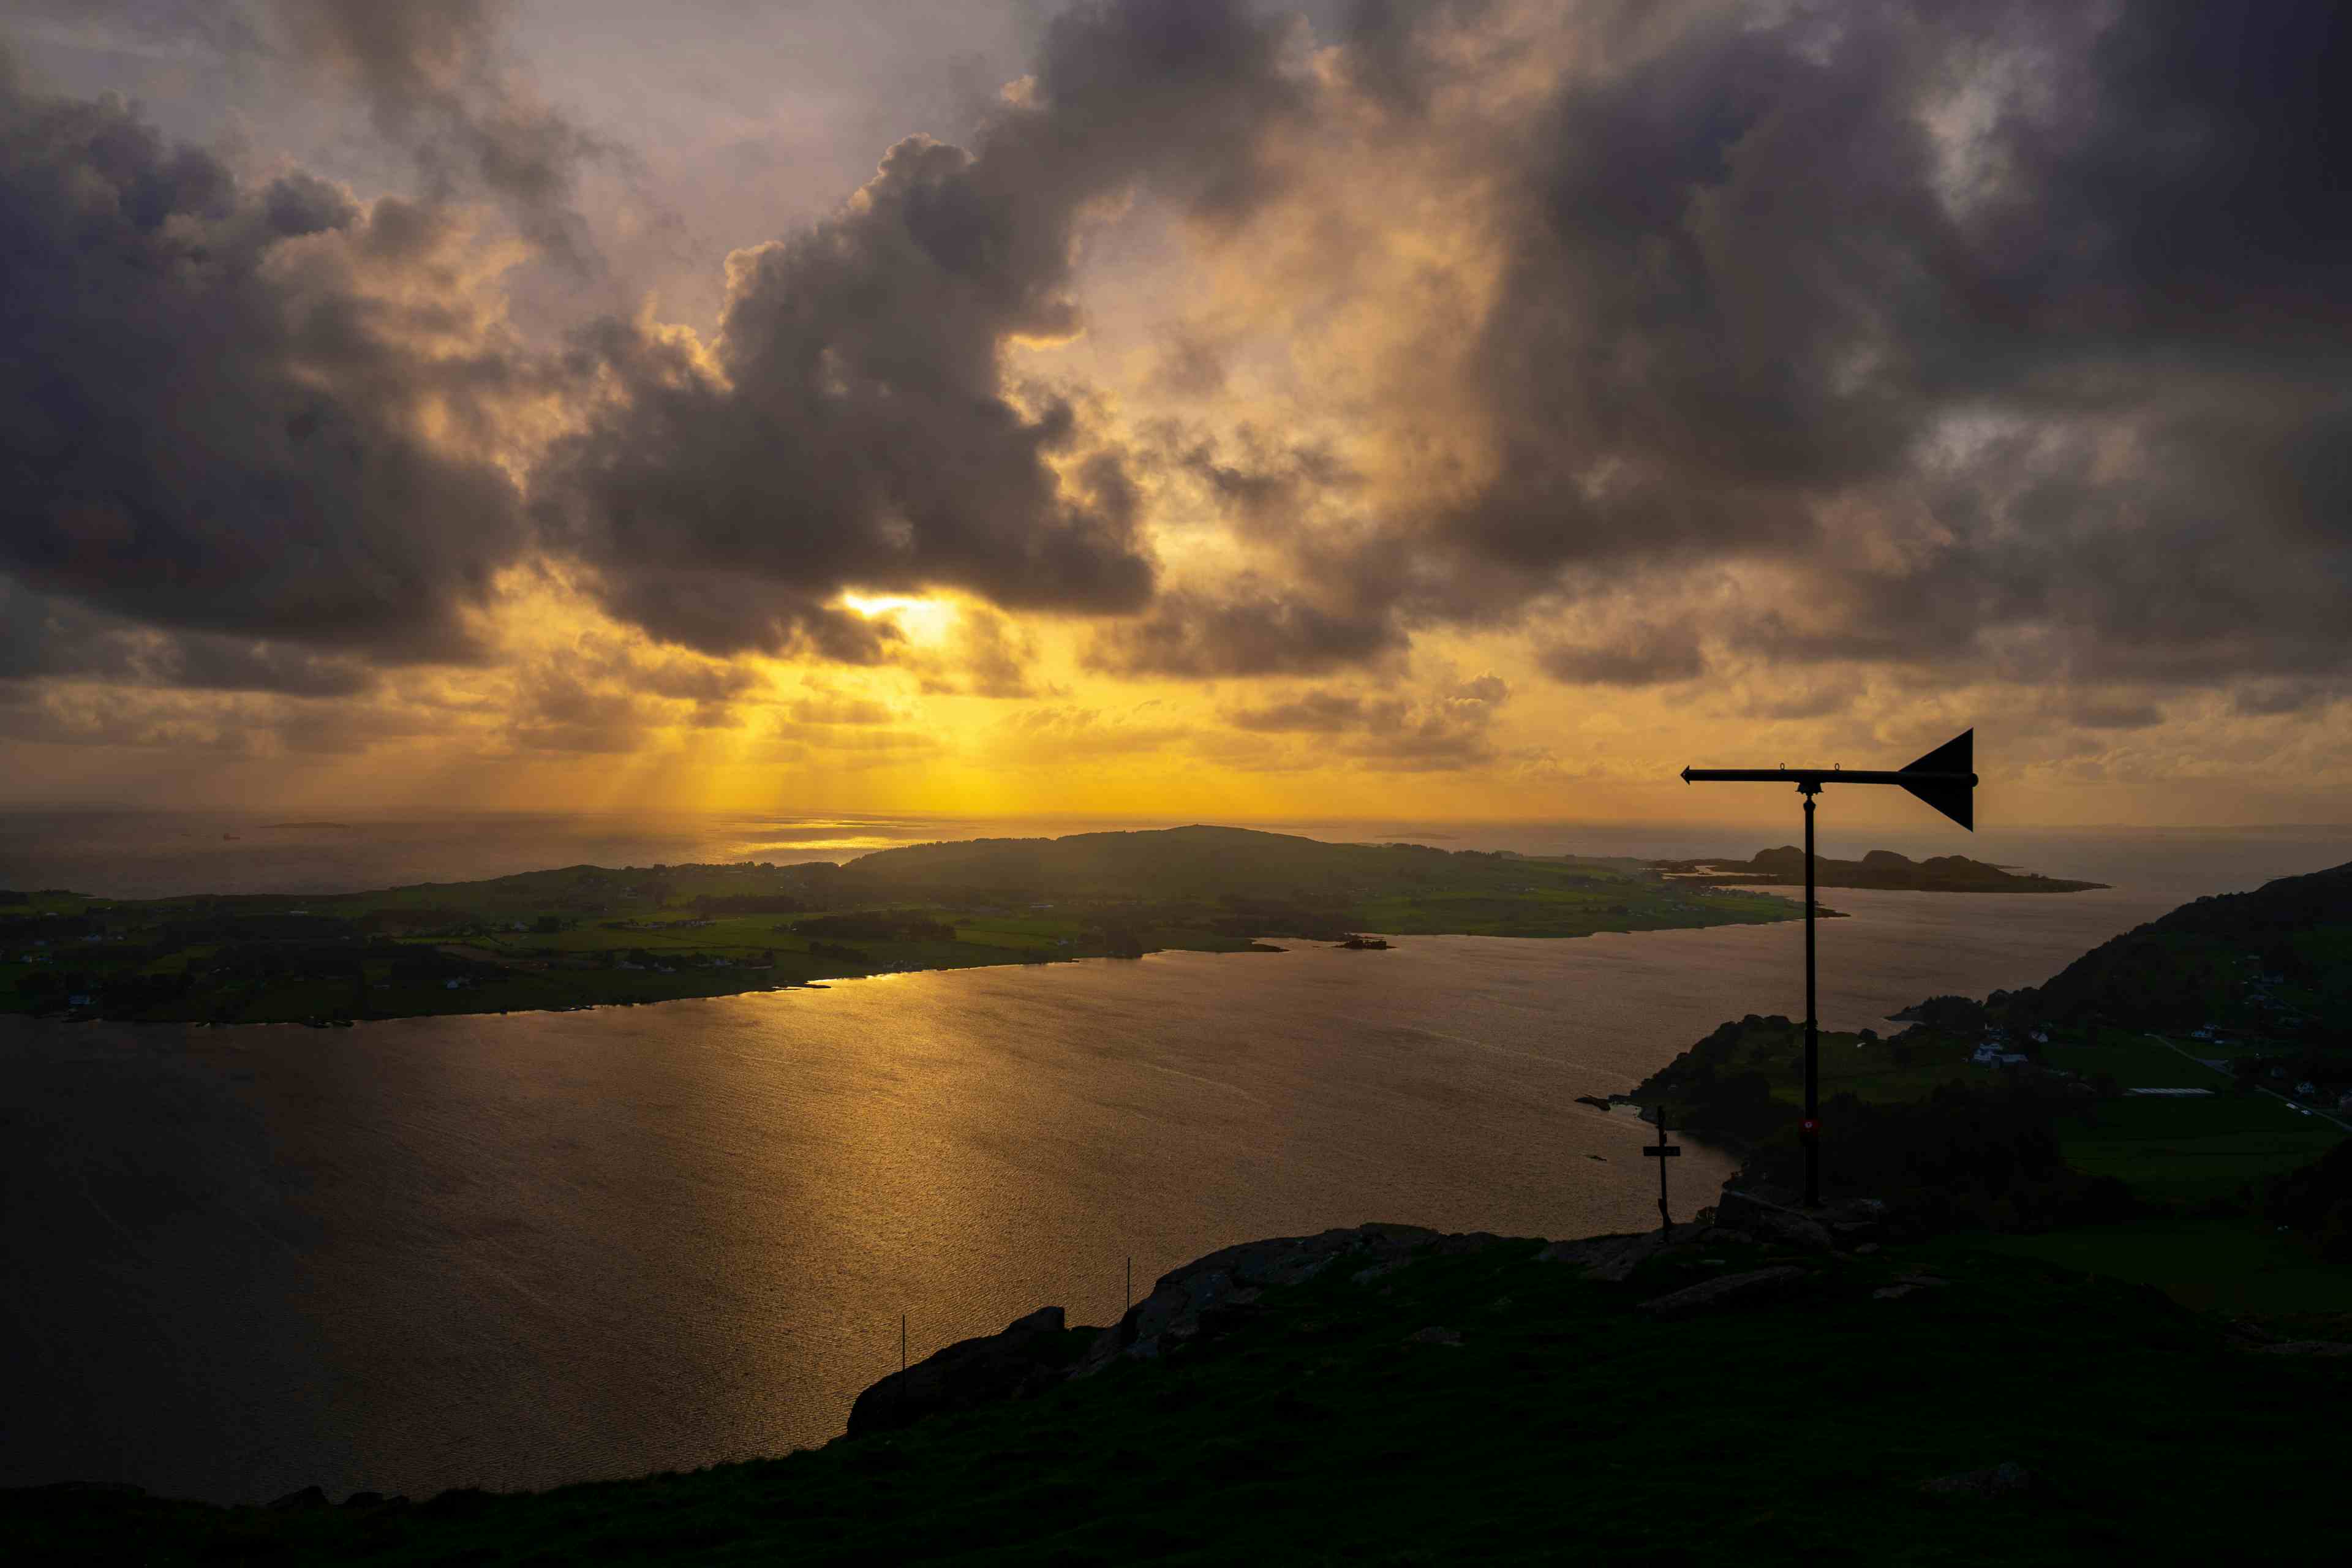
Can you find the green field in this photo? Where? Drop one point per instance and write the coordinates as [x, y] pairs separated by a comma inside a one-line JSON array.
[[2223, 1265], [2196, 1151], [2134, 1060], [585, 936], [2193, 1163]]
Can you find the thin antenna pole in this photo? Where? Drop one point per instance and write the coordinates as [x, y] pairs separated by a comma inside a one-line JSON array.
[[1129, 1306], [1812, 1128], [902, 1343]]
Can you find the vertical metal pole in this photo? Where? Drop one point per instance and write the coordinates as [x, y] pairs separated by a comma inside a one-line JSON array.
[[1130, 1287], [1811, 1130], [1664, 1215]]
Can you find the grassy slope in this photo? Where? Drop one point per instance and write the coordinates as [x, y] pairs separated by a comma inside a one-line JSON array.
[[1396, 889], [1565, 1423], [2189, 1160], [2188, 1152]]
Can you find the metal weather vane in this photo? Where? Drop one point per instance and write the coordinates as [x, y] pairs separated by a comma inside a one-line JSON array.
[[1945, 779]]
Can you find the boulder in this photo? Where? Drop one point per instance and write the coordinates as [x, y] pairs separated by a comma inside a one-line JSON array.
[[1726, 1289], [1765, 1220], [1606, 1258], [307, 1498], [1030, 1355]]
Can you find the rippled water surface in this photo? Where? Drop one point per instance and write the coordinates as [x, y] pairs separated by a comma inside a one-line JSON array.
[[516, 1251]]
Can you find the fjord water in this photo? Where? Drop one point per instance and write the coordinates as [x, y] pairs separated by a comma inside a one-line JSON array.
[[515, 1251]]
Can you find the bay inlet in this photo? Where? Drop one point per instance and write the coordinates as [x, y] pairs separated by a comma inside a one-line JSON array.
[[516, 1251]]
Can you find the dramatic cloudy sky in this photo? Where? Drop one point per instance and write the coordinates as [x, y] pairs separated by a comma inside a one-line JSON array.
[[1173, 408]]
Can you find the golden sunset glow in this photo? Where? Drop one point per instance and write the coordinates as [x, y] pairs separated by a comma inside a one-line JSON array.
[[1391, 450]]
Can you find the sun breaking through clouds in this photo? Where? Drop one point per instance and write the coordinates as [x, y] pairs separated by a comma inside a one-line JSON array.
[[1172, 407]]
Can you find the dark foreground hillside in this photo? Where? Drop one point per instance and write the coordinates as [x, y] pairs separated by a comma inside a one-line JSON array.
[[1470, 1399]]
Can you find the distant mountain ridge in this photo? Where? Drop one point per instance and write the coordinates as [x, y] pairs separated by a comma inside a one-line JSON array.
[[1879, 868]]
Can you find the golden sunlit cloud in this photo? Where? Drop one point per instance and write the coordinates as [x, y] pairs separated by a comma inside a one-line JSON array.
[[921, 621]]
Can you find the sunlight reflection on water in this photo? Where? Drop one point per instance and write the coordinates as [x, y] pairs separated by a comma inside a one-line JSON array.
[[519, 1250]]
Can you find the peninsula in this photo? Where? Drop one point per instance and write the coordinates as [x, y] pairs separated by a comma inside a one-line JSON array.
[[2191, 1059], [1879, 868], [587, 935]]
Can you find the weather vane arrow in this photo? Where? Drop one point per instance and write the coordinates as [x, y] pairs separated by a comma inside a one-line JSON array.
[[1945, 779]]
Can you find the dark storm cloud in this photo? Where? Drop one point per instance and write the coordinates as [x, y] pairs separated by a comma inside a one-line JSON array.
[[1325, 713], [1244, 631], [210, 426], [1387, 44], [1996, 340], [2222, 548], [2095, 715], [1649, 655], [854, 426], [1255, 478], [1391, 734], [2277, 698], [2148, 259], [432, 74], [223, 28], [42, 636], [2009, 332]]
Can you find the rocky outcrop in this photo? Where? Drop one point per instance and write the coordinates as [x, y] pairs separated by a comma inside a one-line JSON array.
[[1607, 1257], [1216, 1295], [1204, 1300], [1762, 1217], [1724, 1289], [1212, 1295], [1032, 1354]]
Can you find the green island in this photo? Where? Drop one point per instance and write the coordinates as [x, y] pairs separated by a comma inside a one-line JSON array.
[[1879, 868], [2044, 1319], [585, 935]]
